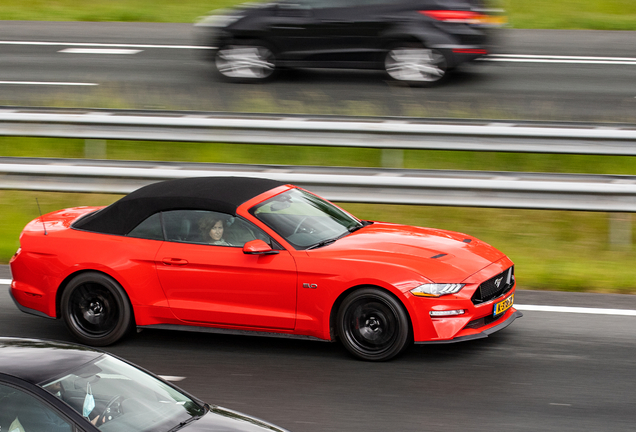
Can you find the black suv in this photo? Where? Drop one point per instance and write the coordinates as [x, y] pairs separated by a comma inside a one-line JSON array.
[[414, 41]]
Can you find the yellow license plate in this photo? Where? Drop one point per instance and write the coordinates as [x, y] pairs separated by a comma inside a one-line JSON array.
[[503, 305]]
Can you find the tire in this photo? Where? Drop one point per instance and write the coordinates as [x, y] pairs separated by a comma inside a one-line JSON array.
[[246, 62], [415, 65], [95, 309], [372, 325]]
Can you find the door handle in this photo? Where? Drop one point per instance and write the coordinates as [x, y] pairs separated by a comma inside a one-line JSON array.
[[174, 261]]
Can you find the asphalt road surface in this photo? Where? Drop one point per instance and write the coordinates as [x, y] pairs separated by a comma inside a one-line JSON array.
[[546, 372], [567, 75]]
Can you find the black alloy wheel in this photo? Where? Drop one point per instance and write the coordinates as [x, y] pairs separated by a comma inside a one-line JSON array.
[[246, 62], [373, 325], [96, 309], [415, 65]]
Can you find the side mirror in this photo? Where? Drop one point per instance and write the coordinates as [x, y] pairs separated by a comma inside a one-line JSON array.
[[258, 247]]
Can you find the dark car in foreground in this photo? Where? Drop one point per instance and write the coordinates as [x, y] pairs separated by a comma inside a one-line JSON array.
[[48, 386], [415, 42]]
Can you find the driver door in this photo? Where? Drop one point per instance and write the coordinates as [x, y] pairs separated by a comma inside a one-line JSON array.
[[221, 285]]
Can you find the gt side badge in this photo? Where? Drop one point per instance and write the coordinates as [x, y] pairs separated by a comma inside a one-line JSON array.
[[311, 286]]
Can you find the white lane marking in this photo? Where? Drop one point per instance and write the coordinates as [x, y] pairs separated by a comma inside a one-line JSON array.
[[580, 310], [51, 83], [519, 60], [172, 378], [524, 58], [104, 45], [560, 57], [5, 281], [99, 51]]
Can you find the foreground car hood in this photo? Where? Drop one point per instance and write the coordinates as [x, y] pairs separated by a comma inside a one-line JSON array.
[[439, 255], [220, 419]]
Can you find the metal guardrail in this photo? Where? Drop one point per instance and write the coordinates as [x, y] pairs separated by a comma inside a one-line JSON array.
[[387, 186], [607, 193], [383, 133]]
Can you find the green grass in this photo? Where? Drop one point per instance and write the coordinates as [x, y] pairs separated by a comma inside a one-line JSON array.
[[555, 250], [572, 14], [547, 14], [320, 156], [109, 10]]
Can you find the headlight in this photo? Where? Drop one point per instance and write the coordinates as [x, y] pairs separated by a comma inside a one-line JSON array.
[[436, 290]]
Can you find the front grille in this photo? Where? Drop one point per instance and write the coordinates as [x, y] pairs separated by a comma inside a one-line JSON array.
[[495, 286]]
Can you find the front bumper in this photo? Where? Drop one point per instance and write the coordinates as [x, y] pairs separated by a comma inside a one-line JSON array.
[[500, 324], [486, 305]]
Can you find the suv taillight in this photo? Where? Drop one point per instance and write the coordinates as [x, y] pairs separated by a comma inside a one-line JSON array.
[[456, 16]]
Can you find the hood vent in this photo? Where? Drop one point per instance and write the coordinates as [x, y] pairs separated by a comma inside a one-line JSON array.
[[438, 256]]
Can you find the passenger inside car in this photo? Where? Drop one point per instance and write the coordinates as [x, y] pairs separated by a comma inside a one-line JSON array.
[[212, 228], [21, 412]]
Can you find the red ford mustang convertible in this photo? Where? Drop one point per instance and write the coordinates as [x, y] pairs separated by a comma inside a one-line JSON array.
[[245, 255]]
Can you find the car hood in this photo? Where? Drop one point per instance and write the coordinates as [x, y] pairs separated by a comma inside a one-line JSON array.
[[438, 255], [220, 419]]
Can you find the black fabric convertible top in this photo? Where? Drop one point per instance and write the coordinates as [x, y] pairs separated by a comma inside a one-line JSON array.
[[220, 194]]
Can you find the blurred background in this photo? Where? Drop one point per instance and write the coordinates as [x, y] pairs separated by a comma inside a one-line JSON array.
[[567, 60]]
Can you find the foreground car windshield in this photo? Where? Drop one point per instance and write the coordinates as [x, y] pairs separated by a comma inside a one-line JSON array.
[[115, 396], [303, 219]]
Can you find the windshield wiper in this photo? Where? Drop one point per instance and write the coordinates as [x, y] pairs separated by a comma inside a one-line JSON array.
[[322, 243], [184, 423], [349, 231], [357, 227]]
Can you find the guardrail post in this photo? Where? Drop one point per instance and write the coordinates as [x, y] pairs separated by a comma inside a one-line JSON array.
[[620, 230], [392, 158], [95, 149]]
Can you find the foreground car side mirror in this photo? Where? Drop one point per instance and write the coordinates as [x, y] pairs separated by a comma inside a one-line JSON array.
[[258, 247]]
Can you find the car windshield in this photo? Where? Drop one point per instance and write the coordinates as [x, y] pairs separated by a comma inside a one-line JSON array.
[[304, 220], [116, 396]]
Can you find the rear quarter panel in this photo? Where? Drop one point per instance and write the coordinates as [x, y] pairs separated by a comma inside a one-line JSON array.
[[46, 262]]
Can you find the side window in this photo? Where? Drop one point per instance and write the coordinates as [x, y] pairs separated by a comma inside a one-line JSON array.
[[148, 229], [21, 412], [240, 232], [208, 227]]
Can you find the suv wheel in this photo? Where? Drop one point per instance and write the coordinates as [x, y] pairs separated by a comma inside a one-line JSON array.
[[245, 62], [415, 65]]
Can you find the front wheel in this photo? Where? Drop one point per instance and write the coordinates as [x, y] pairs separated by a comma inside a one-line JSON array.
[[245, 62], [373, 325], [416, 65], [95, 309]]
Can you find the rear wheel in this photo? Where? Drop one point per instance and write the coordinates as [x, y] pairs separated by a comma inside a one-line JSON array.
[[415, 65], [246, 62], [95, 309], [373, 325]]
